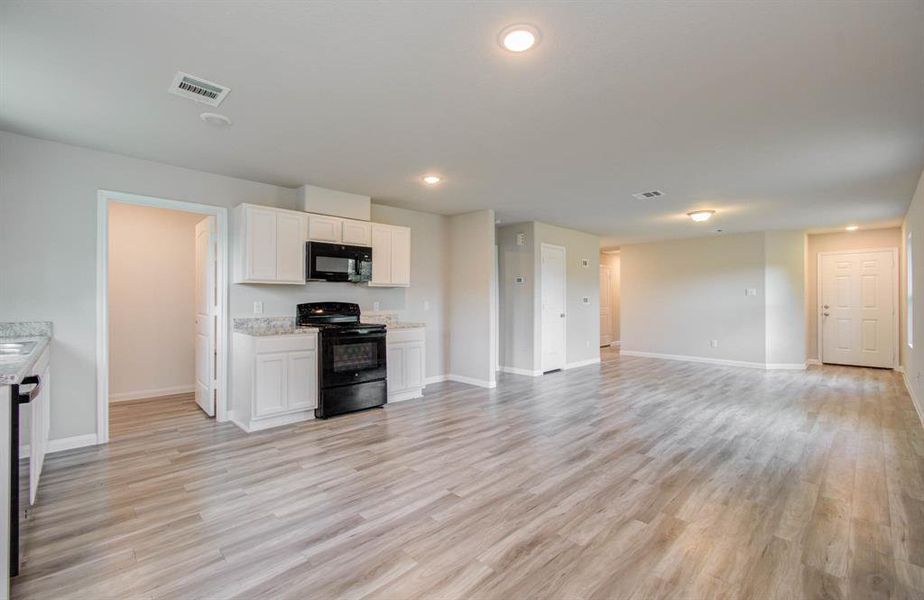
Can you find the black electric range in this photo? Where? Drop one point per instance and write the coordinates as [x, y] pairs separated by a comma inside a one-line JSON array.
[[351, 361]]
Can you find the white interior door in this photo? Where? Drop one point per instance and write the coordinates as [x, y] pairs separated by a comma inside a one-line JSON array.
[[206, 277], [553, 307], [857, 308], [606, 305]]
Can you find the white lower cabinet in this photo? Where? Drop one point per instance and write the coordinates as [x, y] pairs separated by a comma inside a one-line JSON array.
[[275, 379], [406, 362]]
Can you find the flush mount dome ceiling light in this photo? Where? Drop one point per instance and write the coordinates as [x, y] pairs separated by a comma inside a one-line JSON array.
[[215, 119], [852, 227], [432, 179], [701, 215], [518, 38]]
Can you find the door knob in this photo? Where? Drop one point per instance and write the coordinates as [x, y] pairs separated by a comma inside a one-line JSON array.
[[826, 314], [562, 315], [826, 307]]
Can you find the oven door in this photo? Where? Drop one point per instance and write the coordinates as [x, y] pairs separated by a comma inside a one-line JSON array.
[[337, 262], [352, 356]]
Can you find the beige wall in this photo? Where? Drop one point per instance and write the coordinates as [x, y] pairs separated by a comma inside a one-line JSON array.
[[48, 196], [582, 324], [517, 320], [913, 357], [835, 242], [678, 295], [520, 322], [472, 258], [152, 271], [611, 259], [784, 285]]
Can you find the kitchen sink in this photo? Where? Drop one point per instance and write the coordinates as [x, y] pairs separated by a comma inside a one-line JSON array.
[[16, 348]]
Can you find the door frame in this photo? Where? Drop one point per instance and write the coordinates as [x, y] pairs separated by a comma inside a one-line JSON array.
[[564, 294], [222, 300], [819, 280]]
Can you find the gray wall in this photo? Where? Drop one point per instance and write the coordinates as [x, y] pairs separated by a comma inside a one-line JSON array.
[[471, 293], [582, 325], [784, 282], [913, 357], [48, 196], [517, 323], [520, 325], [678, 295]]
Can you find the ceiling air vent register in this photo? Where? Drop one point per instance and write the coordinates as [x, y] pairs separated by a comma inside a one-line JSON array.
[[198, 89], [648, 195]]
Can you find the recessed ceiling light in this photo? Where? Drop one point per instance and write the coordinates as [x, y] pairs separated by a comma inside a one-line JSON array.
[[215, 119], [432, 179], [518, 38], [852, 227], [701, 215]]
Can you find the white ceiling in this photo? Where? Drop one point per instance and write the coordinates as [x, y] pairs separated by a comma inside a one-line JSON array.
[[778, 115]]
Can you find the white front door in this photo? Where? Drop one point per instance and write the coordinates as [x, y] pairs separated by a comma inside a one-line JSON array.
[[857, 308], [206, 277], [553, 307], [606, 302]]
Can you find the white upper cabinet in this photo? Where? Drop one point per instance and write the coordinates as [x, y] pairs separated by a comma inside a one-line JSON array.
[[322, 228], [270, 245], [391, 256], [357, 233]]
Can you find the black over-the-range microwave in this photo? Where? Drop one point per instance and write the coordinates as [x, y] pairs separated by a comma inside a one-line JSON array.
[[337, 262]]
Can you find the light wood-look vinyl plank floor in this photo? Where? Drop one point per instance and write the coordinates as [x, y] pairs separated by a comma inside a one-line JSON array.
[[637, 478]]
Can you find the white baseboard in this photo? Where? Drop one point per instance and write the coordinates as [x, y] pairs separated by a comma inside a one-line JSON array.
[[62, 444], [712, 361], [155, 393], [785, 366], [277, 421], [915, 401], [813, 362], [405, 395], [471, 381], [519, 371], [582, 363], [435, 379]]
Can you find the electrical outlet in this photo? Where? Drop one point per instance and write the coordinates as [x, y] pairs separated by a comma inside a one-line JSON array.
[[426, 305], [587, 344], [375, 306], [714, 343], [750, 291], [257, 307]]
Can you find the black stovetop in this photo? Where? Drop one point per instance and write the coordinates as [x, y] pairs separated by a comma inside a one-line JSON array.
[[332, 315]]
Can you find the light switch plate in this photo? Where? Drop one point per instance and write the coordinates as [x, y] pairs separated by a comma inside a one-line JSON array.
[[519, 279], [585, 299], [585, 262], [750, 291], [426, 305]]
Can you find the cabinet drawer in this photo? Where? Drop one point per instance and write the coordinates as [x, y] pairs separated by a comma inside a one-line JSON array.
[[286, 343]]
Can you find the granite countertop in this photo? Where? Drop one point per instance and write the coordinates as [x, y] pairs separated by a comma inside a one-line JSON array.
[[262, 326], [404, 325], [14, 368]]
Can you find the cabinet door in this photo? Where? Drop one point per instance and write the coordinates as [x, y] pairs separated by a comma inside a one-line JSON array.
[[400, 256], [290, 247], [260, 243], [395, 369], [39, 421], [381, 254], [325, 229], [414, 365], [270, 384], [358, 233], [302, 377]]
